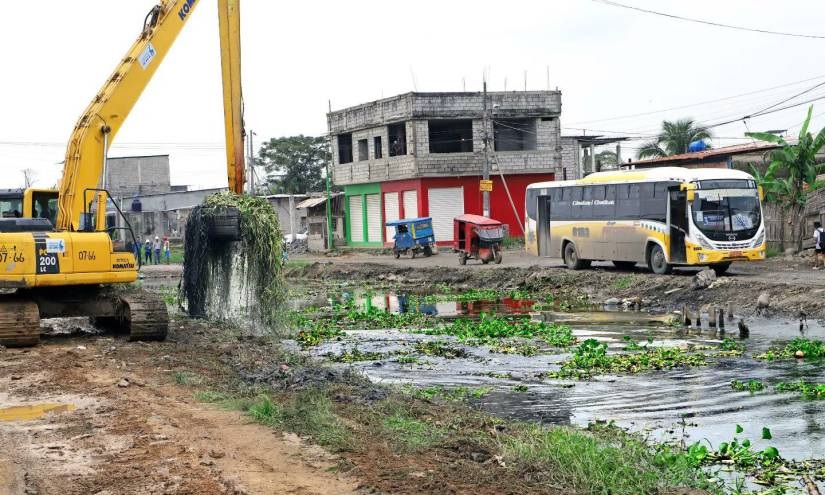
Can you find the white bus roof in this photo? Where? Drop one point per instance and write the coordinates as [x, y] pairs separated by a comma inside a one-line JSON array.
[[677, 174]]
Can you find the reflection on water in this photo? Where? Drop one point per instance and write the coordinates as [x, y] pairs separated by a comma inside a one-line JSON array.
[[654, 402]]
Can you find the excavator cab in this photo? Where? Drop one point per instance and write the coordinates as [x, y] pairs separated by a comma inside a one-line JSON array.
[[19, 206]]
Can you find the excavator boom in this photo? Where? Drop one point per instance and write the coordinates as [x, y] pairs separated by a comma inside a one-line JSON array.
[[97, 127]]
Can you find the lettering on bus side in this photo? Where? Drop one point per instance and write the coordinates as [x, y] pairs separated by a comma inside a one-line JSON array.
[[581, 232]]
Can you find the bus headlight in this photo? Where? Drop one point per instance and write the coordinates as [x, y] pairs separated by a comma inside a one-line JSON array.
[[758, 240]]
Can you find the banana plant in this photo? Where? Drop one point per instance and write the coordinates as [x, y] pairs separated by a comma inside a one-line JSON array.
[[792, 173]]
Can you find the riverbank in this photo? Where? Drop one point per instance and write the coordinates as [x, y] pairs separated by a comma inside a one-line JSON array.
[[790, 286]]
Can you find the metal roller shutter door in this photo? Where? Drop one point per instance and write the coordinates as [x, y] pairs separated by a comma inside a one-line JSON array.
[[410, 204], [356, 219], [374, 224], [445, 204], [391, 212]]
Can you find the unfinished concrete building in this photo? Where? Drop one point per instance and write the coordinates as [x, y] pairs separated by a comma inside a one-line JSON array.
[[422, 154]]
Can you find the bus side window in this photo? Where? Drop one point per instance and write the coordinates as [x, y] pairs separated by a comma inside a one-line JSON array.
[[652, 208]]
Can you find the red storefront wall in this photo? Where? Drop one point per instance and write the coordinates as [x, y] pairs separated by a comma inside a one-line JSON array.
[[500, 208]]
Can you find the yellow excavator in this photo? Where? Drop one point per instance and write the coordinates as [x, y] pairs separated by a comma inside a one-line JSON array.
[[58, 258]]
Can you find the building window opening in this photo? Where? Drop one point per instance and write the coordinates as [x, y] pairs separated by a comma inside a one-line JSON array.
[[379, 152], [363, 150], [344, 148], [514, 134], [451, 136], [398, 139]]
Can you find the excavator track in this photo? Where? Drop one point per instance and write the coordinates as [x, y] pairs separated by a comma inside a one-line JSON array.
[[143, 315], [19, 323]]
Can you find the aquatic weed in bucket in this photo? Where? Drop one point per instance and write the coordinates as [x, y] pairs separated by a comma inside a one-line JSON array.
[[217, 267]]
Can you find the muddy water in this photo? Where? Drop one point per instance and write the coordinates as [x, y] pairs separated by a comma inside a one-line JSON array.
[[652, 402], [34, 411]]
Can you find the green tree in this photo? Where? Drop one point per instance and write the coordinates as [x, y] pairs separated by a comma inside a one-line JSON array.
[[606, 160], [674, 139], [792, 173], [294, 164]]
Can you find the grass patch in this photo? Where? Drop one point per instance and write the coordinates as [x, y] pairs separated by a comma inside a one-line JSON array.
[[490, 328], [410, 434], [603, 461], [211, 396], [187, 378], [796, 348], [590, 358], [307, 413], [623, 282]]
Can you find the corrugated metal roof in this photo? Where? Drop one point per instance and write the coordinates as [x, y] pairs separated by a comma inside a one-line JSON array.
[[701, 155], [309, 203], [312, 202]]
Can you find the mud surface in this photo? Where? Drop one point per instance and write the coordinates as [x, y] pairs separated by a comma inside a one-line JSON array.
[[148, 437]]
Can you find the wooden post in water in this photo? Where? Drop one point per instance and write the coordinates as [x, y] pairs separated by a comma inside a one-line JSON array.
[[722, 320], [685, 316], [697, 321], [729, 310], [712, 317]]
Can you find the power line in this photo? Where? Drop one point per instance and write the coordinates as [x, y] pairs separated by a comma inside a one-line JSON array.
[[652, 112], [709, 23]]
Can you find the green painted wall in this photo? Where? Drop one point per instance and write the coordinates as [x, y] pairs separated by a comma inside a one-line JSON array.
[[361, 190]]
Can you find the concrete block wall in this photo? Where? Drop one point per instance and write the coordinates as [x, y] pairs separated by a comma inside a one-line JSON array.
[[570, 158], [137, 175], [416, 109]]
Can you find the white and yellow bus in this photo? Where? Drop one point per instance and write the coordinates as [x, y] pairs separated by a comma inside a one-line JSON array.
[[662, 217]]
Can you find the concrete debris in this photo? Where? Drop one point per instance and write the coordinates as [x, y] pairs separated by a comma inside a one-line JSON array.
[[123, 383], [703, 279]]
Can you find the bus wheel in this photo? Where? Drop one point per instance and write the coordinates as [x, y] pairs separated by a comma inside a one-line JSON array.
[[720, 268], [657, 262], [571, 257], [624, 265]]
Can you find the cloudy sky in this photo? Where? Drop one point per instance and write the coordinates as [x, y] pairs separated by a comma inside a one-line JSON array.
[[610, 63]]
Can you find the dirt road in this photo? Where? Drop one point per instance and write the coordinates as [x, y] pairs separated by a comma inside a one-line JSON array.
[[774, 271], [127, 426]]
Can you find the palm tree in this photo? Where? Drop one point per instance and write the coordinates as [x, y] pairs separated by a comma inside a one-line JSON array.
[[793, 172], [674, 139]]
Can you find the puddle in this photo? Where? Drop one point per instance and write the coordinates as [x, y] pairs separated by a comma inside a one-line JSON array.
[[34, 411]]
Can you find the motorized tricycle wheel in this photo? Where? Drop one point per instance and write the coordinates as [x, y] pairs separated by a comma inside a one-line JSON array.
[[462, 257], [428, 251], [397, 253], [498, 257]]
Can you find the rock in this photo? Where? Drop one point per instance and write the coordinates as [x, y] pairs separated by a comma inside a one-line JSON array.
[[799, 354], [16, 377], [479, 456], [123, 383], [216, 454], [613, 301], [134, 381], [790, 251], [764, 300], [703, 279]]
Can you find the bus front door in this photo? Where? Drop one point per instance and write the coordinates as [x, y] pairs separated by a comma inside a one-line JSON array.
[[543, 225], [678, 221]]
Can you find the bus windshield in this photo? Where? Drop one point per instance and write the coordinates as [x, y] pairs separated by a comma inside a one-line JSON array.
[[727, 214]]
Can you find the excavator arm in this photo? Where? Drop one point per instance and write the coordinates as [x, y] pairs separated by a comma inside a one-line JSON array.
[[84, 168]]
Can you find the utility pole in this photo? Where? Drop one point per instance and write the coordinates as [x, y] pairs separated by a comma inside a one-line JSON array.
[[250, 181], [486, 171], [330, 241]]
